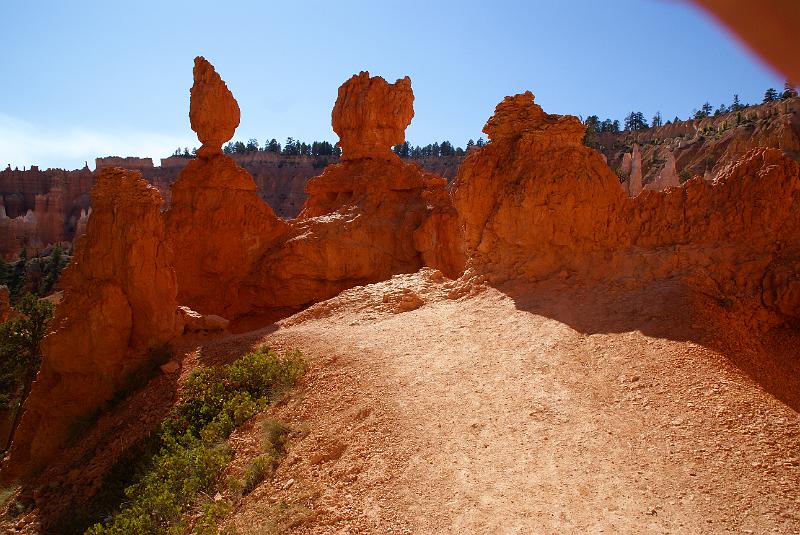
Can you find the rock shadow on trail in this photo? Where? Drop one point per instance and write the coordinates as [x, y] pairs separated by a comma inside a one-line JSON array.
[[671, 310]]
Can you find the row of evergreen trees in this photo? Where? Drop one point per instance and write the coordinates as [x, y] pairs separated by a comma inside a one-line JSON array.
[[435, 150], [294, 147], [636, 120]]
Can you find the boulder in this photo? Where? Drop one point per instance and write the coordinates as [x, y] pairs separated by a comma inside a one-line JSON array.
[[213, 112]]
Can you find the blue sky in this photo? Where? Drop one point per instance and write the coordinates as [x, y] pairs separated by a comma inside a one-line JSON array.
[[90, 78]]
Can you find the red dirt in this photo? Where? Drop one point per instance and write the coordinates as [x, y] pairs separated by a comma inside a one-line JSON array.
[[555, 410]]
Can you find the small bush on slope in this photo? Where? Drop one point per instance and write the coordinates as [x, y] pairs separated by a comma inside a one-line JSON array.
[[190, 442]]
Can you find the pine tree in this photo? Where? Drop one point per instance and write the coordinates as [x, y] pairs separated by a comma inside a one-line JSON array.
[[789, 90], [736, 105], [657, 120], [634, 122], [770, 95]]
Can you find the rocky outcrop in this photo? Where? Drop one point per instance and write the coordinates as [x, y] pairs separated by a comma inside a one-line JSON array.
[[365, 219], [631, 168], [667, 178], [538, 204], [535, 200], [216, 218], [707, 145], [82, 222], [119, 301], [371, 116], [635, 180]]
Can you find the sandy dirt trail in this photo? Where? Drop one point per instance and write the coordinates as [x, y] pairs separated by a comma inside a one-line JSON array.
[[486, 414]]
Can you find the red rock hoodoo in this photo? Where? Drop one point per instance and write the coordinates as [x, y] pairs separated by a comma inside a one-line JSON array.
[[536, 200], [367, 218], [119, 301], [216, 219], [213, 112]]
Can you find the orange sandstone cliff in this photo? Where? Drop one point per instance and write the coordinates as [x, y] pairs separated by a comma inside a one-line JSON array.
[[119, 301], [535, 203]]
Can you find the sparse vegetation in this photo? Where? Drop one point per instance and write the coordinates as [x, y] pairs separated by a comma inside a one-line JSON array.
[[189, 449], [19, 347], [37, 275]]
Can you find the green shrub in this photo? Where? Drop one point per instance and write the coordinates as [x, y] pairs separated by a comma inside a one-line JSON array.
[[211, 513], [275, 435], [190, 442], [256, 471]]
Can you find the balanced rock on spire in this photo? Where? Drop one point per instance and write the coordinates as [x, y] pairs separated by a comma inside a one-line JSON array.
[[213, 111], [371, 116]]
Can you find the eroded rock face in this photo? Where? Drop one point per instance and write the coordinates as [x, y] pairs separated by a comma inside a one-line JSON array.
[[667, 178], [364, 221], [536, 208], [635, 181], [213, 112], [119, 301], [531, 202], [216, 219], [371, 115]]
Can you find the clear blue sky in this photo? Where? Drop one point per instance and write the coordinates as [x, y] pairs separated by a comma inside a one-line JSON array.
[[91, 78]]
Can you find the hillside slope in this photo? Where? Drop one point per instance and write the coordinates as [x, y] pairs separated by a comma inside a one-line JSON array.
[[553, 410]]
